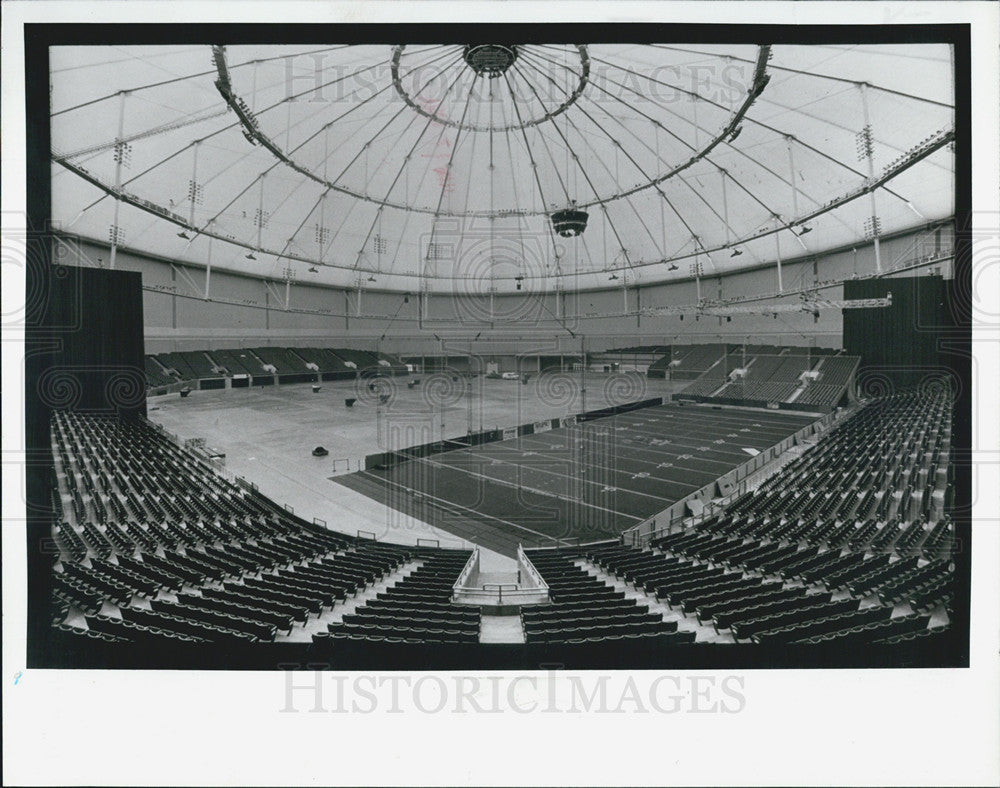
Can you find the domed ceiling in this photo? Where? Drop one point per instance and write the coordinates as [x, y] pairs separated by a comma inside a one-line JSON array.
[[498, 165]]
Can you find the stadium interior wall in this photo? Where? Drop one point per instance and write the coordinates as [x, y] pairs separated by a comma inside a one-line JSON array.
[[245, 311]]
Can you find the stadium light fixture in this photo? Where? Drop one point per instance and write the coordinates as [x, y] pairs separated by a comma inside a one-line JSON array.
[[759, 87]]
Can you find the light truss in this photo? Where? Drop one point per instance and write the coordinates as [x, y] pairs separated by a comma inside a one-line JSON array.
[[805, 304]]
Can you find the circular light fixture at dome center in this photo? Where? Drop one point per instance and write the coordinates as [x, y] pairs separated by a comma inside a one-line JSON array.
[[491, 60]]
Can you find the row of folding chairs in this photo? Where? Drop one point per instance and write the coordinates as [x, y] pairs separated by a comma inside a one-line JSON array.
[[803, 630]]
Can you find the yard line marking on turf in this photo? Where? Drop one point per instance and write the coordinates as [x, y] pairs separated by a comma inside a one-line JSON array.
[[488, 453], [414, 492], [668, 480], [719, 418], [635, 454], [646, 449], [518, 486], [505, 483], [722, 422], [771, 436], [572, 478], [725, 447]]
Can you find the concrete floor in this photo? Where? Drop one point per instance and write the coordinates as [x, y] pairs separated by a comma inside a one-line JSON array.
[[268, 434]]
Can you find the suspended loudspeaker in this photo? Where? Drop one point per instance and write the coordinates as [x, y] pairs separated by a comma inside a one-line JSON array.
[[570, 222]]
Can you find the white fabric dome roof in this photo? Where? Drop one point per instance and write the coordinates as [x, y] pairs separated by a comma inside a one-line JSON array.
[[406, 167]]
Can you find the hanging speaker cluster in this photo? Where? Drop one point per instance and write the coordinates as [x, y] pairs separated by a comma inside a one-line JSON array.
[[570, 222]]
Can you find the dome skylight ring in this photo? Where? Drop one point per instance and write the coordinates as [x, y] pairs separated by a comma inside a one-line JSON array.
[[404, 93]]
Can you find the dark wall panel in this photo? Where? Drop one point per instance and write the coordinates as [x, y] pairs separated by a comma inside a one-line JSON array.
[[900, 345], [93, 318]]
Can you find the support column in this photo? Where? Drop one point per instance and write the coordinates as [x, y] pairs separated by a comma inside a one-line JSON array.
[[260, 213], [777, 254], [120, 152], [208, 264], [870, 158], [468, 389], [791, 176], [697, 269], [193, 188]]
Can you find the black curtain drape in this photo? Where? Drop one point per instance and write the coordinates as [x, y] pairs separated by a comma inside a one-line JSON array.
[[901, 345], [93, 321]]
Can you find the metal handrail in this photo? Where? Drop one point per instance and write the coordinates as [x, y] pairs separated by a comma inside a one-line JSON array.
[[499, 588], [531, 568], [470, 564]]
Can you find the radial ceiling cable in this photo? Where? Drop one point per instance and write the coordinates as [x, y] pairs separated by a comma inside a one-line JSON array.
[[656, 154], [534, 164], [451, 159], [356, 202], [583, 171], [184, 78], [818, 75], [707, 158], [747, 117], [632, 160], [601, 161], [545, 145], [406, 158]]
